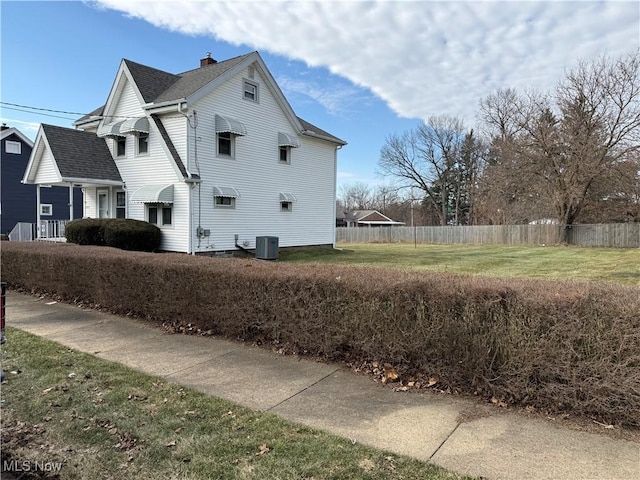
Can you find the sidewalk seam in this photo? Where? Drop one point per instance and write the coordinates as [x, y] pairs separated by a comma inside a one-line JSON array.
[[303, 390]]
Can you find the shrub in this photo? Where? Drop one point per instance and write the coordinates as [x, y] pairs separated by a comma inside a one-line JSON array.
[[126, 234], [132, 235], [86, 231], [559, 346]]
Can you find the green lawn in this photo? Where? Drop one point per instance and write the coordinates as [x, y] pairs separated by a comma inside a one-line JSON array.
[[580, 263], [100, 420]]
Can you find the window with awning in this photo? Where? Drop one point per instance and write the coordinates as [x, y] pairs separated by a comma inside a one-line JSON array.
[[135, 125], [287, 197], [230, 125], [111, 129], [226, 192], [153, 194], [287, 140]]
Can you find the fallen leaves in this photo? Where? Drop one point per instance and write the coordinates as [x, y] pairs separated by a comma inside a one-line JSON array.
[[262, 450]]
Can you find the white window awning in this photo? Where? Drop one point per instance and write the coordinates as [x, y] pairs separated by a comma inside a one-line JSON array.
[[153, 194], [286, 140], [110, 129], [135, 125], [287, 197], [229, 192], [229, 125]]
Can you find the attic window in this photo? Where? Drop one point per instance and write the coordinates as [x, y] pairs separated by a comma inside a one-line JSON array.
[[13, 147], [250, 90]]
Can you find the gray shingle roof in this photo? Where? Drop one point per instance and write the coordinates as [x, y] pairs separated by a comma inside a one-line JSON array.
[[150, 81], [158, 86], [191, 81], [318, 131], [80, 154]]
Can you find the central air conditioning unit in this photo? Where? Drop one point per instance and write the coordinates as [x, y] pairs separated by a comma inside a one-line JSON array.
[[267, 248]]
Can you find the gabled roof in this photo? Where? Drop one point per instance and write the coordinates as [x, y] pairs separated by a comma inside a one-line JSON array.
[[151, 82], [14, 131], [373, 217], [80, 155], [159, 87], [191, 81]]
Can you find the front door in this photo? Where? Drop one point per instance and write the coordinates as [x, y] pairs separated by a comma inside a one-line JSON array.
[[103, 204]]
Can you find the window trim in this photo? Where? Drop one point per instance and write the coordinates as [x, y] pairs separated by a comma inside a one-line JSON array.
[[230, 206], [116, 142], [286, 206], [44, 207], [160, 210], [287, 150], [138, 136], [14, 144], [121, 208], [232, 145], [256, 90]]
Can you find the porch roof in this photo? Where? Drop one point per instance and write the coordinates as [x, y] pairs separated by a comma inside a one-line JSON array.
[[81, 157]]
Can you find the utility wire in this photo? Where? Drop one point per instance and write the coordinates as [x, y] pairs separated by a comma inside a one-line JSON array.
[[12, 106]]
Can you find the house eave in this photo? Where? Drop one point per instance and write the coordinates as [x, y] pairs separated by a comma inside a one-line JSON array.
[[309, 133], [168, 106]]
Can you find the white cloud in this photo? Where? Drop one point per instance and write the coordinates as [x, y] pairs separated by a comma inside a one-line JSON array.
[[422, 58]]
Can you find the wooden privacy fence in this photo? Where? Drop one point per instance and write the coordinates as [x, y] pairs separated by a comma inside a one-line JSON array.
[[623, 235]]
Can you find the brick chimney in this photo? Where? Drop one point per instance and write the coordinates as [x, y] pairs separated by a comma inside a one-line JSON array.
[[207, 60]]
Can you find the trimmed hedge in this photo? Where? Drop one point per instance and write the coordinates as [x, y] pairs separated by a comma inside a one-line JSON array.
[[126, 234], [556, 346]]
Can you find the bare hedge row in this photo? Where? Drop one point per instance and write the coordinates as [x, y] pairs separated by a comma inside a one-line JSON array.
[[558, 346]]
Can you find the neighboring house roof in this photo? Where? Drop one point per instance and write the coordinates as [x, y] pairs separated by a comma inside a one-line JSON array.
[[6, 132], [79, 154], [373, 217]]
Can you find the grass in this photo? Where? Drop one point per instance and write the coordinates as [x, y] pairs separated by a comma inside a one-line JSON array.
[[102, 420], [557, 262]]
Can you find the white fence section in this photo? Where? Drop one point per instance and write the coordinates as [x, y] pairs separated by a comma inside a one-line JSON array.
[[49, 230], [621, 235]]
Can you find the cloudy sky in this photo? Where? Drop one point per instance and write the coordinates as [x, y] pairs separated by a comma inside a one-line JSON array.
[[361, 70]]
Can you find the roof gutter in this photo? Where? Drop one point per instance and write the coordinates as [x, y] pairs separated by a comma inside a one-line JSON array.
[[164, 107], [96, 181], [311, 133]]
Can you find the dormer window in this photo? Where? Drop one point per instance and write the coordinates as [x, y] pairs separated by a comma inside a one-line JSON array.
[[250, 91]]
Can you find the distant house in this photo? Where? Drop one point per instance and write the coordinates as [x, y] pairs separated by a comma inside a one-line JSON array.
[[365, 218], [214, 156], [19, 201]]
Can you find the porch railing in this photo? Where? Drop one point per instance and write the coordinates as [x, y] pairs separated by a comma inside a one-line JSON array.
[[46, 230]]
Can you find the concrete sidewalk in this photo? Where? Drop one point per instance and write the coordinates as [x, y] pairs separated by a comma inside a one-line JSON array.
[[456, 434]]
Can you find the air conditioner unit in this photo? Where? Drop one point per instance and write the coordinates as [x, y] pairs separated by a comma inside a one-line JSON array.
[[267, 248]]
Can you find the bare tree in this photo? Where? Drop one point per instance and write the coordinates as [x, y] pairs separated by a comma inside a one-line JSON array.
[[567, 143], [429, 158], [356, 196]]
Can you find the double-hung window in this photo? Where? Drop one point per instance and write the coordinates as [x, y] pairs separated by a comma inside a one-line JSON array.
[[121, 146], [250, 90], [225, 144], [160, 215], [142, 143]]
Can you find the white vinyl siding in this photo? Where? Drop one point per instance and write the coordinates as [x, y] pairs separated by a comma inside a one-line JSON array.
[[260, 178], [47, 172], [155, 168]]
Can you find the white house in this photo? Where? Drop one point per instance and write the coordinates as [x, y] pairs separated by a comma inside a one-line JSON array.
[[214, 156]]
